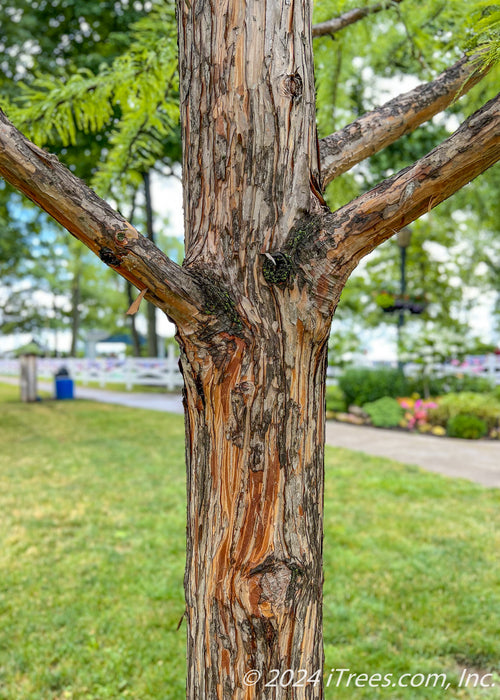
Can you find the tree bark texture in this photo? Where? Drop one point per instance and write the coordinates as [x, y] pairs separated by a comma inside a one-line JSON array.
[[254, 431], [265, 264], [150, 309], [254, 386]]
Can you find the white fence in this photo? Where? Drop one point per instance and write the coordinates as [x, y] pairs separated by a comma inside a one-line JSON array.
[[131, 371], [485, 366], [136, 371]]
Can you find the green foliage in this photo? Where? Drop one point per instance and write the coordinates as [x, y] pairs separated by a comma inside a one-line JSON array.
[[384, 412], [483, 406], [14, 237], [405, 150], [62, 34], [466, 426], [410, 38], [486, 27], [413, 40], [59, 285], [85, 95], [53, 40], [363, 385], [335, 400], [344, 345], [135, 98]]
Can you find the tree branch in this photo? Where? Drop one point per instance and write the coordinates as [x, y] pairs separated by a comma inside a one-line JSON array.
[[353, 231], [43, 179], [337, 23], [377, 129]]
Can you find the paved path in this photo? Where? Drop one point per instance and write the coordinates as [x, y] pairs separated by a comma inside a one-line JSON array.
[[171, 403], [475, 460]]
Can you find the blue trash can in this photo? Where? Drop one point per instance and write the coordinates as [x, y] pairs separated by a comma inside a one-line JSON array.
[[64, 384]]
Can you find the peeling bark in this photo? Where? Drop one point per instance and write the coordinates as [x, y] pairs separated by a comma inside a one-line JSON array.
[[254, 435], [249, 132], [255, 392]]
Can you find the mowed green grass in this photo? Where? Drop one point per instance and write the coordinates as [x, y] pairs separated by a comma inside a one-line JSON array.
[[92, 528]]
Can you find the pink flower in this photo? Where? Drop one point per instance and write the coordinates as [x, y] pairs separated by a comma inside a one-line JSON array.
[[416, 413]]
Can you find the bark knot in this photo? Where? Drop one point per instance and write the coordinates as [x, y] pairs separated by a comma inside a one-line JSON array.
[[108, 257], [293, 86], [277, 268], [278, 583]]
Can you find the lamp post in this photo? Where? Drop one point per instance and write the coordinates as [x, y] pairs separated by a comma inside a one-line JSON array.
[[403, 239]]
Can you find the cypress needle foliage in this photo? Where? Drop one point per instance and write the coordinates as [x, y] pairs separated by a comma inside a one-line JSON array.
[[135, 98]]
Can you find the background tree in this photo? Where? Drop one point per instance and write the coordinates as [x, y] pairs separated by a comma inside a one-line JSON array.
[[447, 244], [266, 261], [82, 38], [58, 288]]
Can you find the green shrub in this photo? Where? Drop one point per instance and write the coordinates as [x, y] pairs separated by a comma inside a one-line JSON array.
[[466, 426], [483, 406], [335, 400], [435, 386], [384, 413], [363, 385]]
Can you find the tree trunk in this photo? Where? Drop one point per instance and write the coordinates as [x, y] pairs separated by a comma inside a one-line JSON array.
[[75, 311], [150, 308], [254, 385], [255, 435]]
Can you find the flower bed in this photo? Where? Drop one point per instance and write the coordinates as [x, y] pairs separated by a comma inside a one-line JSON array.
[[463, 415]]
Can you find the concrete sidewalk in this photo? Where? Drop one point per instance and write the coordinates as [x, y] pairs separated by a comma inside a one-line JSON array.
[[170, 403], [476, 460]]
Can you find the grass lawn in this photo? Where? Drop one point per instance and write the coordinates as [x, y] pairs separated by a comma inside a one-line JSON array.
[[92, 523]]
